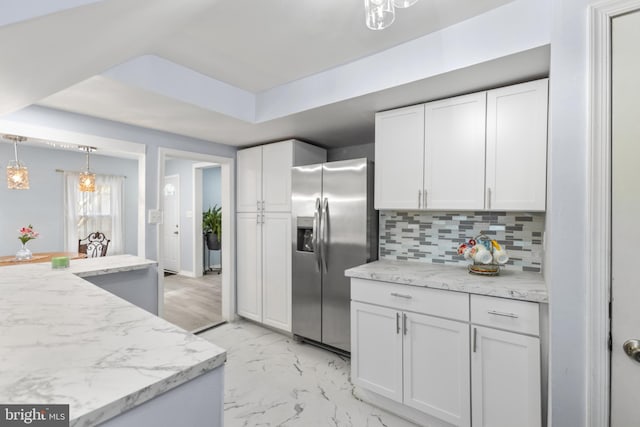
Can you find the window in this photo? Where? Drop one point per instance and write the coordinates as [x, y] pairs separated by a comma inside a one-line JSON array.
[[101, 211]]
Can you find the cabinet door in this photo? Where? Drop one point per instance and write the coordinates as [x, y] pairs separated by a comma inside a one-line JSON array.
[[376, 349], [517, 147], [399, 158], [249, 192], [454, 152], [276, 270], [248, 278], [505, 377], [436, 367], [277, 160]]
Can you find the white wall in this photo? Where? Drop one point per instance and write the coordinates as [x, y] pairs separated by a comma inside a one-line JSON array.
[[567, 238], [43, 204]]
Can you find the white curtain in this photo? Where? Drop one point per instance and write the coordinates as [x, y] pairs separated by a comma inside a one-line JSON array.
[[102, 210]]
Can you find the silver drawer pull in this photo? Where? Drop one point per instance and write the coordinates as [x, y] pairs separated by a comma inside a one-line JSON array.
[[395, 294], [503, 314]]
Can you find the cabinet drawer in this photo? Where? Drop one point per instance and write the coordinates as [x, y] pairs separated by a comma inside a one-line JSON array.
[[435, 302], [512, 315]]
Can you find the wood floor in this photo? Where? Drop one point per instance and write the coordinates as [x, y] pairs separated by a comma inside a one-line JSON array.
[[193, 304]]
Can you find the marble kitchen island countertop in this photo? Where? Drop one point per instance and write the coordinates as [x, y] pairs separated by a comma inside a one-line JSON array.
[[65, 340], [511, 284]]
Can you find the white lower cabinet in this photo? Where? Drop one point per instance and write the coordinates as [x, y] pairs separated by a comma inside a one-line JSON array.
[[436, 367], [264, 268], [480, 367], [505, 363]]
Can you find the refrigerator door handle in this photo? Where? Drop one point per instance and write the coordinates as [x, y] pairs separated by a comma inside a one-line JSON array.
[[324, 227], [315, 231]]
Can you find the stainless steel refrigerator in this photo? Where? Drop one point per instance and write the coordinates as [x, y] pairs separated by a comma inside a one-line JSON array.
[[335, 228]]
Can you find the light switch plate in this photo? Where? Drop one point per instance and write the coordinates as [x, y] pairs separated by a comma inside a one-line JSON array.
[[154, 216]]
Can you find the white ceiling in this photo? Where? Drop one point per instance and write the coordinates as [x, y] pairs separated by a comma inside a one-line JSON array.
[[254, 47]]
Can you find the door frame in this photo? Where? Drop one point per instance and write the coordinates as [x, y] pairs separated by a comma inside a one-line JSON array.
[[198, 238], [227, 182], [599, 209]]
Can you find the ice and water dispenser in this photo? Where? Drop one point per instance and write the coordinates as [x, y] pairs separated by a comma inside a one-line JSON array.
[[304, 240]]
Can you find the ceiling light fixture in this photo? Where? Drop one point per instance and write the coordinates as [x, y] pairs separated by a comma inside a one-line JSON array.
[[17, 172], [381, 13], [87, 178]]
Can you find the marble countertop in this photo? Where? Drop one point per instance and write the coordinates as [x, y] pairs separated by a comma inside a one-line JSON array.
[[64, 340], [519, 285]]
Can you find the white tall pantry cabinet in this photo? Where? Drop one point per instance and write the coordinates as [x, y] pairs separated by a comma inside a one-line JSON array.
[[264, 229]]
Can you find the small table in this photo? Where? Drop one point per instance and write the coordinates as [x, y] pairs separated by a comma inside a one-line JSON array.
[[39, 257]]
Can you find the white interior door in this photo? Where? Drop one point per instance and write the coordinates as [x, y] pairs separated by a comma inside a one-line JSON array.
[[171, 223], [625, 286]]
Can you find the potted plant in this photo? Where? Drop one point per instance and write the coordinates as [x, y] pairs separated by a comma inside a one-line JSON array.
[[212, 227]]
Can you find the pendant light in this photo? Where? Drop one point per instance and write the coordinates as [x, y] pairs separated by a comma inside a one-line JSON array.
[[17, 172], [379, 13], [87, 178]]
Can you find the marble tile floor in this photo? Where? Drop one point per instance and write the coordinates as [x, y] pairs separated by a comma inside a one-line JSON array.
[[271, 380], [193, 303]]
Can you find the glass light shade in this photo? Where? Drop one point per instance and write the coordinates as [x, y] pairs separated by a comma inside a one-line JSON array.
[[87, 182], [17, 176], [379, 13], [404, 3]]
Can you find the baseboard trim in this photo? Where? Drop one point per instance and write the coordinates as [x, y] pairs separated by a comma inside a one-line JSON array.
[[187, 273]]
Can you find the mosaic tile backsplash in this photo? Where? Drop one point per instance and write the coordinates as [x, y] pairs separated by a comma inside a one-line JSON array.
[[435, 236]]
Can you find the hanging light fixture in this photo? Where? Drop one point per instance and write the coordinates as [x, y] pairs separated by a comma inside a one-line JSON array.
[[87, 178], [379, 14], [17, 172]]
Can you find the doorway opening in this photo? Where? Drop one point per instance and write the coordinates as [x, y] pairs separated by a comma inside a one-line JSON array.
[[195, 279]]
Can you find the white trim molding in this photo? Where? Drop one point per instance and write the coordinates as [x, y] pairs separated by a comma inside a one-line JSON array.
[[599, 215]]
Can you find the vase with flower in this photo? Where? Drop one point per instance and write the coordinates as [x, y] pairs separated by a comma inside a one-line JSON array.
[[26, 234]]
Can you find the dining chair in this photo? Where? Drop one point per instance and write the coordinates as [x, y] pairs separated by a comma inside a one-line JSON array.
[[94, 245]]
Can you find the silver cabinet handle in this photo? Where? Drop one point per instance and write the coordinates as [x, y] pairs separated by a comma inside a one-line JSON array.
[[503, 314], [316, 233], [258, 218], [263, 205], [475, 338], [404, 323], [488, 197], [257, 205], [395, 294], [398, 323], [419, 198]]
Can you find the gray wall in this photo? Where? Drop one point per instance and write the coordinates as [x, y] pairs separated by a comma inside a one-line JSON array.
[[352, 152], [212, 196], [565, 271], [43, 204]]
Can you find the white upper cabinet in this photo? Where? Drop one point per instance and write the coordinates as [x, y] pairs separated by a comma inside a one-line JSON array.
[[454, 153], [517, 146], [399, 153], [249, 179], [264, 174], [277, 161], [483, 151]]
